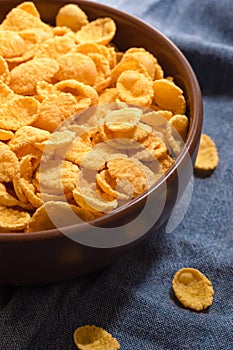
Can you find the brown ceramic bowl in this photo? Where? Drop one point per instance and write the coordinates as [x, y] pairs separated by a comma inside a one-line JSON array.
[[49, 256]]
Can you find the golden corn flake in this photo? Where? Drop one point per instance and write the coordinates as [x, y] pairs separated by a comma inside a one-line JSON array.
[[180, 123], [100, 31], [155, 145], [83, 93], [40, 220], [141, 132], [25, 76], [62, 30], [193, 289], [129, 175], [207, 156], [6, 135], [18, 20], [133, 87], [11, 44], [128, 63], [44, 89], [123, 120], [169, 96], [166, 162], [18, 112], [6, 199], [8, 161], [107, 183], [55, 177], [147, 60], [4, 71], [13, 220], [59, 141], [31, 43], [89, 197], [29, 7], [54, 110], [103, 78], [92, 338], [61, 212], [108, 95], [29, 191], [92, 47], [77, 152], [25, 166], [25, 138], [77, 66], [6, 93], [24, 170], [99, 155], [71, 16], [47, 197], [165, 114], [53, 47]]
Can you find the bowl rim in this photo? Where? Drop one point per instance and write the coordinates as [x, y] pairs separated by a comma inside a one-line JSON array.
[[191, 142]]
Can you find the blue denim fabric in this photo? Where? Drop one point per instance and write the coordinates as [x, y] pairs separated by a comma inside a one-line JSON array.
[[132, 299]]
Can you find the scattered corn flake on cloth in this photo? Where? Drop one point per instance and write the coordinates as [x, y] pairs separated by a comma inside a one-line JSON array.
[[133, 299]]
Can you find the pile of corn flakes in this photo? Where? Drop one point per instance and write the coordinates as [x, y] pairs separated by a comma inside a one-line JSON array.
[[47, 75]]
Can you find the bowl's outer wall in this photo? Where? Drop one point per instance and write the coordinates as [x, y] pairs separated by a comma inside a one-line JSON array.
[[39, 258]]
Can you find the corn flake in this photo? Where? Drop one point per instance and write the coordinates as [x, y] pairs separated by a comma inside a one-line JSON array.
[[77, 66], [54, 109], [123, 120], [92, 338], [18, 112], [83, 93], [77, 152], [25, 76], [7, 200], [8, 161], [193, 289], [4, 71], [147, 60], [18, 19], [24, 139], [71, 16], [169, 96], [133, 87], [108, 95], [5, 135], [207, 156], [99, 155], [128, 63], [55, 177], [6, 93], [103, 78], [61, 212], [11, 44], [54, 47], [129, 175], [44, 89], [89, 197], [100, 31], [13, 220], [29, 7], [31, 43], [29, 191], [180, 123]]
